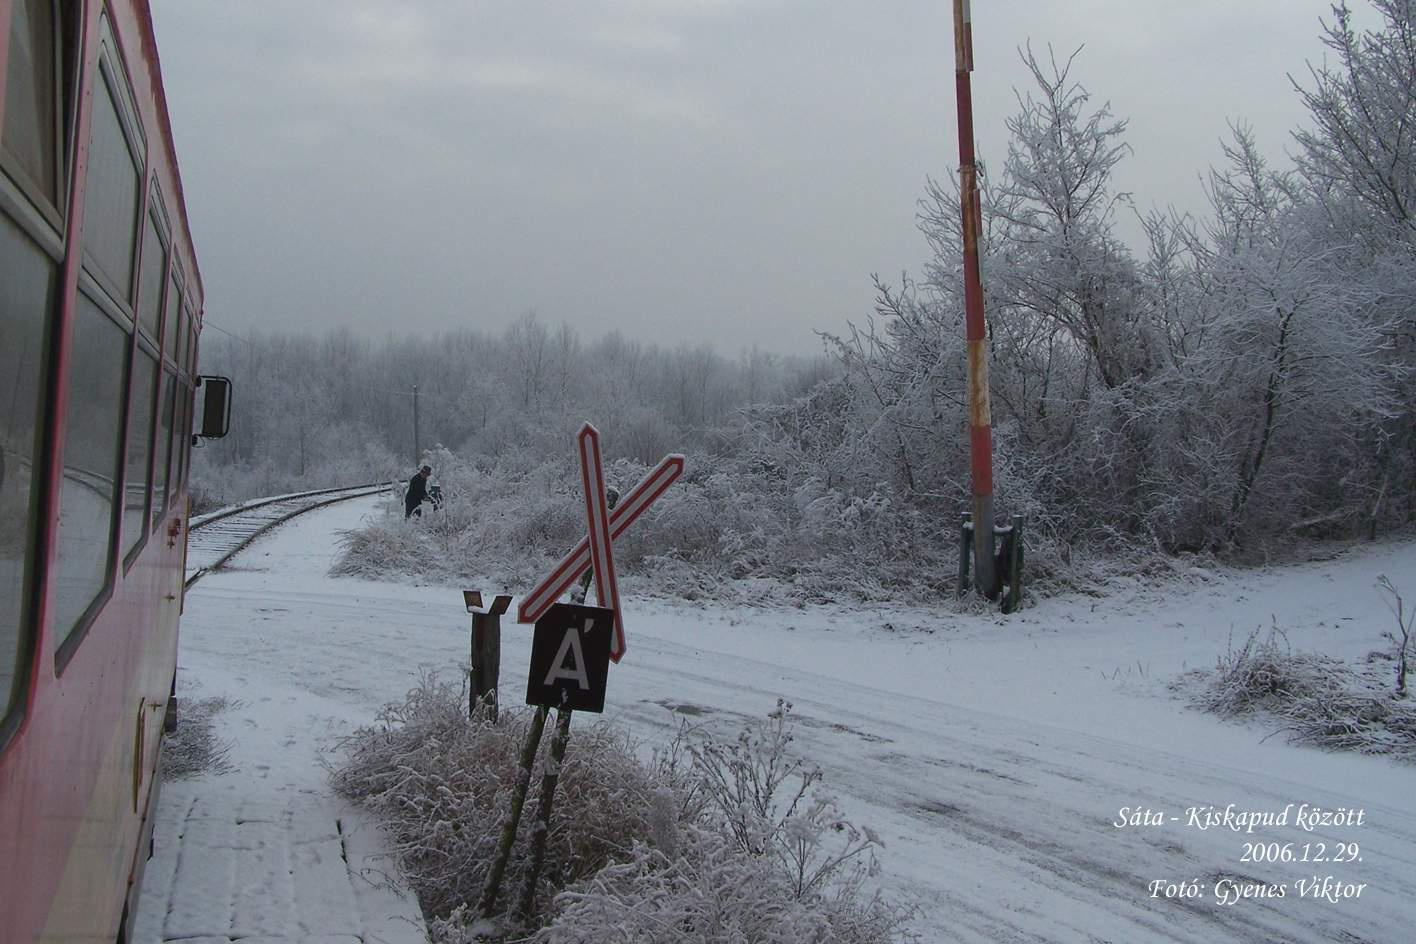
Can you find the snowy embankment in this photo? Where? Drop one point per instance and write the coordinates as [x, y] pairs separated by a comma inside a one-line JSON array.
[[992, 756]]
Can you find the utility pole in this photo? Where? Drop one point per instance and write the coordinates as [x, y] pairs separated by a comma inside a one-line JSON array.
[[980, 420], [417, 449]]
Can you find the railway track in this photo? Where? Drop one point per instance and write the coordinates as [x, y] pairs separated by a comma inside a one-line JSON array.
[[215, 538]]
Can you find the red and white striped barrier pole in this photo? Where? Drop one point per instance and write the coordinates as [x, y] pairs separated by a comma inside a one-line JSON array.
[[980, 420]]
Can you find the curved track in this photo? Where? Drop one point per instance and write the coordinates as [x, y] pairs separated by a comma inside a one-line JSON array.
[[215, 538]]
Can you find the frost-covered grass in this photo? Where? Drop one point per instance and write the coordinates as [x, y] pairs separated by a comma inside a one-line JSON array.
[[1317, 699], [194, 749], [711, 841]]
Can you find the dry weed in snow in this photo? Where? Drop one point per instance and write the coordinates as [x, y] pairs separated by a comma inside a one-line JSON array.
[[193, 749], [441, 781], [1319, 700]]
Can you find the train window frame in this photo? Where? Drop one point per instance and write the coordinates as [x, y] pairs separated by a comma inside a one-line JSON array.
[[66, 40], [36, 225], [33, 573], [187, 431], [113, 78], [155, 216], [166, 376], [193, 332], [108, 50], [182, 433], [177, 286], [75, 635], [44, 220], [145, 347]]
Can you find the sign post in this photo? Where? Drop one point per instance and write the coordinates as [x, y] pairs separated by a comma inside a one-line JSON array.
[[572, 647], [485, 661]]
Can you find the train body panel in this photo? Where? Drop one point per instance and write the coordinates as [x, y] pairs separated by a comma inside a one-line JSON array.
[[100, 302]]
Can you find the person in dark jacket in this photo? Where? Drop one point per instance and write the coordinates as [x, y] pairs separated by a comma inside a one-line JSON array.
[[417, 492]]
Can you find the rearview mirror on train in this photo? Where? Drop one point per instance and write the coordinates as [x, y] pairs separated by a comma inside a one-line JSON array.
[[216, 406]]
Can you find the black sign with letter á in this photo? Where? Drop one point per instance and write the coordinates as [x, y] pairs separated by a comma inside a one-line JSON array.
[[570, 657]]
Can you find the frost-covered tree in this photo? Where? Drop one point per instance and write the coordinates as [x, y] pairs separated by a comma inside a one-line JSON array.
[[1056, 203], [1284, 368], [1359, 158], [1363, 142], [1238, 381]]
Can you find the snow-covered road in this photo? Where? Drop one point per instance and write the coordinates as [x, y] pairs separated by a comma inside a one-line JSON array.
[[992, 756]]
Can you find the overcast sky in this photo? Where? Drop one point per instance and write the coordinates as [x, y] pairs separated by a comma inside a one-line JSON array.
[[729, 171]]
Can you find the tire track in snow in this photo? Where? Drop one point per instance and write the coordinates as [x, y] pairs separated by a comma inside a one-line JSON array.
[[1013, 766]]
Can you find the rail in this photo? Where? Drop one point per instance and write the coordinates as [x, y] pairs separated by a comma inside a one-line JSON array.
[[213, 539]]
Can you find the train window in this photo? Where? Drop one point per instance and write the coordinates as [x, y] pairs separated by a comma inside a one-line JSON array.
[[161, 479], [93, 441], [135, 505], [174, 320], [153, 268], [181, 436], [187, 432], [191, 346], [32, 107], [27, 283], [172, 331], [111, 191]]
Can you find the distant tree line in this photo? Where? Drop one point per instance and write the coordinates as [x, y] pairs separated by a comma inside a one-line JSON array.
[[312, 410]]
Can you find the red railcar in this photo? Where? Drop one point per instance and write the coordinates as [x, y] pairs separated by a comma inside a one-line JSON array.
[[100, 305]]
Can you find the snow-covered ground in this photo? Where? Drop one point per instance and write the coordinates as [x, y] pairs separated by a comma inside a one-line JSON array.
[[993, 756]]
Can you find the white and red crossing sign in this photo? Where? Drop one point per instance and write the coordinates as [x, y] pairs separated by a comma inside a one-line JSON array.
[[597, 520], [603, 526]]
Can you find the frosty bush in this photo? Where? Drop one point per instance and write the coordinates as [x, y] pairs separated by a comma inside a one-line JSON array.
[[1319, 700], [655, 852], [1263, 673], [763, 798], [726, 520], [766, 858], [386, 546], [709, 893], [441, 781]]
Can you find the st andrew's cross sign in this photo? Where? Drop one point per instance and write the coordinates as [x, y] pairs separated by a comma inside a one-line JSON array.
[[572, 644], [597, 524], [535, 604]]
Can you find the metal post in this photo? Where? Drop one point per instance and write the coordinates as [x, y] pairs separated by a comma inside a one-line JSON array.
[[485, 660], [417, 448], [488, 902], [545, 805], [980, 420], [1015, 567], [965, 548]]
